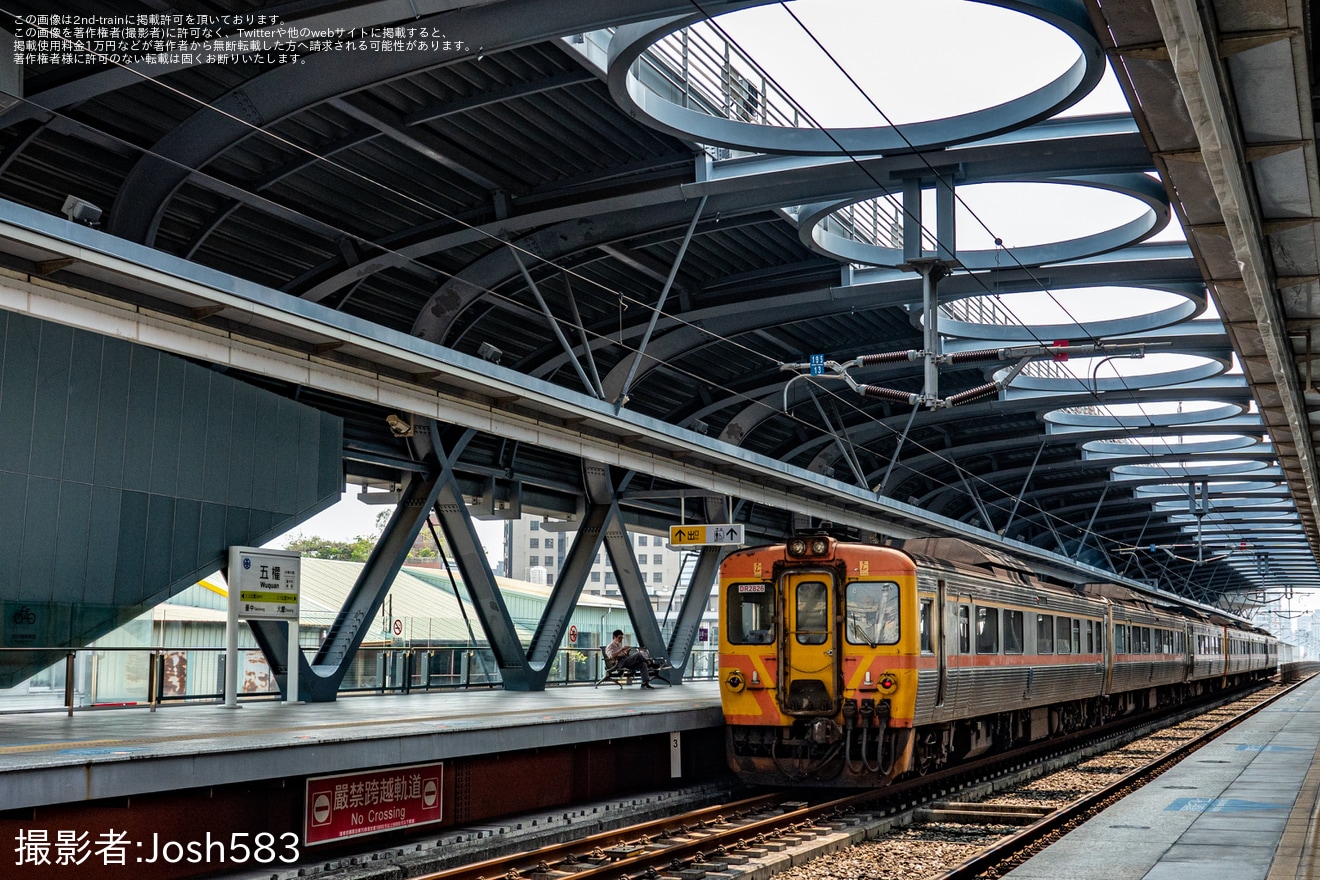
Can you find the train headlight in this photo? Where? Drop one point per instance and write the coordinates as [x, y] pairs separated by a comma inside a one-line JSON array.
[[734, 681], [799, 548], [887, 683]]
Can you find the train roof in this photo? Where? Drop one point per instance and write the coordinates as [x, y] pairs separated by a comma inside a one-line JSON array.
[[965, 554]]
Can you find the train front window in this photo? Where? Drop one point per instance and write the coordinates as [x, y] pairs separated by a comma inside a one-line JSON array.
[[751, 614], [872, 613], [812, 612]]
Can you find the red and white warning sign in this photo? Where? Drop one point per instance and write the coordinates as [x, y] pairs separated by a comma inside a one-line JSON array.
[[355, 804]]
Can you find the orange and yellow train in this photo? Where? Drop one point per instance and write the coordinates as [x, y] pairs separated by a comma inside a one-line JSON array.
[[851, 664]]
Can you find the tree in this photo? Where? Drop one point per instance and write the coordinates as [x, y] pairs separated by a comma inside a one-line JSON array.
[[356, 550]]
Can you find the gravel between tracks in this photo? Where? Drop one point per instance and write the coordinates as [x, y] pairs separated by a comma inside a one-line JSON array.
[[918, 851], [929, 850]]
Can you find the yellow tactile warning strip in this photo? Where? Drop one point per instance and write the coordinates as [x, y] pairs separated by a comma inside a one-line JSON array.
[[1296, 856]]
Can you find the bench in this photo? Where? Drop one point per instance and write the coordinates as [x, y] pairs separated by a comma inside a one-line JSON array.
[[621, 676]]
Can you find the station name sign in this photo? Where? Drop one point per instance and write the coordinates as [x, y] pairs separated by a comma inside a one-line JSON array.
[[709, 534], [265, 583]]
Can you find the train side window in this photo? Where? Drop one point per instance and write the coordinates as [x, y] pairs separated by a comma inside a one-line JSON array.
[[987, 630], [964, 630], [1063, 642], [926, 605], [873, 613], [751, 610], [1076, 636], [1120, 639], [1044, 633], [1013, 632]]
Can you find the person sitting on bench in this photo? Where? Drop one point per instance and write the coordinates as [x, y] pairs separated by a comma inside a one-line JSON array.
[[629, 658]]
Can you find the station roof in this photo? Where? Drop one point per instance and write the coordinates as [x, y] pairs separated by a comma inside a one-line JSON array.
[[605, 222]]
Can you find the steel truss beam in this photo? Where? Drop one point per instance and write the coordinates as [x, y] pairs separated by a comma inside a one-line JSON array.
[[319, 681]]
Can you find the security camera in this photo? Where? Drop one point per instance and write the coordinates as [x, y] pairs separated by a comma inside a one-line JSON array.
[[399, 427], [489, 352], [79, 211]]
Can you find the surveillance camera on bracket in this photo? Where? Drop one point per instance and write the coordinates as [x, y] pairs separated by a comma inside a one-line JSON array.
[[399, 427], [489, 352], [79, 211]]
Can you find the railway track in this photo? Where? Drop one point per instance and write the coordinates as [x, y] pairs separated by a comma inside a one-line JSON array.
[[752, 831], [1000, 857]]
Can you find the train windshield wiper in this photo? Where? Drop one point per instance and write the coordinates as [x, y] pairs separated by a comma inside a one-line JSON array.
[[857, 630]]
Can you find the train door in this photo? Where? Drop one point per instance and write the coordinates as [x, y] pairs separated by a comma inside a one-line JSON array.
[[955, 659], [941, 645], [1109, 648], [1189, 653], [809, 675]]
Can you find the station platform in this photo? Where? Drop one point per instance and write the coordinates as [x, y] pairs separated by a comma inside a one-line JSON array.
[[1243, 807], [256, 768]]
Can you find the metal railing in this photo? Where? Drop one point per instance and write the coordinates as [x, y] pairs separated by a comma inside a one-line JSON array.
[[700, 70], [158, 675]]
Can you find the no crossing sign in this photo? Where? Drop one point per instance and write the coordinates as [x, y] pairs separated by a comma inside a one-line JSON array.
[[572, 635]]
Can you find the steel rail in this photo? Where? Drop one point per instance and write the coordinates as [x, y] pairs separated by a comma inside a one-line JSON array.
[[700, 838], [575, 851], [1080, 809]]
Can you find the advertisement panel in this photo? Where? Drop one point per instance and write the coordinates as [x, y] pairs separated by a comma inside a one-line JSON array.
[[357, 804]]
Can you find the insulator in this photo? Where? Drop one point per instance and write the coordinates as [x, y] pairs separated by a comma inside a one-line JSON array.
[[971, 394], [889, 357], [887, 394], [980, 354]]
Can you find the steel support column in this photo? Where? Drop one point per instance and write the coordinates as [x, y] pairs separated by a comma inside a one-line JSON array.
[[568, 588], [601, 492], [553, 322], [487, 600], [692, 610], [622, 399], [318, 682]]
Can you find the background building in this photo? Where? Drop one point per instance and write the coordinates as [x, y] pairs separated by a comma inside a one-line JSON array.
[[535, 551]]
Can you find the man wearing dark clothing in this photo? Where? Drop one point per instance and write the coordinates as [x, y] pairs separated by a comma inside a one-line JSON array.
[[628, 658]]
